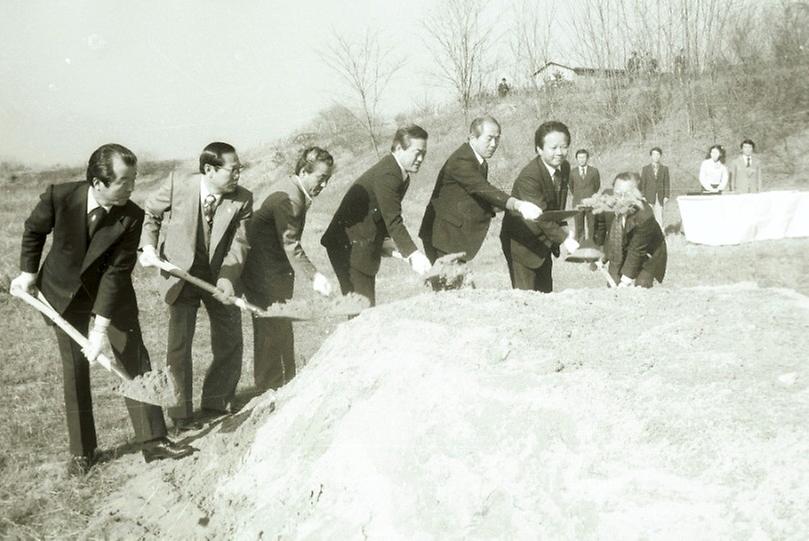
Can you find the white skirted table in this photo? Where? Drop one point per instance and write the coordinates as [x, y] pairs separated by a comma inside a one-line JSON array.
[[719, 220]]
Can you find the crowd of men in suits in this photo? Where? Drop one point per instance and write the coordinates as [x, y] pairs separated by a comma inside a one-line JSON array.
[[206, 225]]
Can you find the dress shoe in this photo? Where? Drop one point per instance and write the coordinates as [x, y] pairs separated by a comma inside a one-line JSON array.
[[164, 448], [187, 425], [78, 466]]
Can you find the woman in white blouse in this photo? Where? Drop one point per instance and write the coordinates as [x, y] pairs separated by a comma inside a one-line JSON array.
[[713, 175]]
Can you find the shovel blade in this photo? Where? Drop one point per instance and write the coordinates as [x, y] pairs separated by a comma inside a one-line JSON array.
[[154, 387]]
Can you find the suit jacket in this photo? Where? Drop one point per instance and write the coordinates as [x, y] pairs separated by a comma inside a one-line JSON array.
[[462, 205], [652, 188], [102, 268], [370, 211], [642, 246], [181, 200], [274, 234], [582, 188], [745, 179], [532, 242]]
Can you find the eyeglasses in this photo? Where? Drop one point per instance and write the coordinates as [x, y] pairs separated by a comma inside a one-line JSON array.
[[235, 169]]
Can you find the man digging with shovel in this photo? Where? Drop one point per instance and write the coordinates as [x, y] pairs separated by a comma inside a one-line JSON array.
[[204, 219], [88, 272]]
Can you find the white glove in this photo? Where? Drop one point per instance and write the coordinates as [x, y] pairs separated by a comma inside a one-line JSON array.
[[24, 282], [396, 254], [571, 245], [321, 284], [98, 338], [527, 210], [626, 281], [419, 262], [148, 256]]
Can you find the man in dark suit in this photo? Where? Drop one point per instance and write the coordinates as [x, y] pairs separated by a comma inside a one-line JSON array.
[[463, 201], [371, 211], [585, 181], [528, 244], [88, 272], [655, 184], [634, 244], [276, 254], [205, 234]]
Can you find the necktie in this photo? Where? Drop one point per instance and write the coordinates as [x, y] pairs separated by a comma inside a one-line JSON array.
[[615, 241], [654, 168], [209, 209], [748, 160], [582, 171], [484, 167], [94, 219]]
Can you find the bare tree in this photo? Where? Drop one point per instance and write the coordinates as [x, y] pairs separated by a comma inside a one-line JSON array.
[[459, 39], [366, 68], [531, 33]]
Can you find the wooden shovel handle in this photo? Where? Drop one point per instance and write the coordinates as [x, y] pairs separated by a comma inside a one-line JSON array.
[[174, 270], [41, 304]]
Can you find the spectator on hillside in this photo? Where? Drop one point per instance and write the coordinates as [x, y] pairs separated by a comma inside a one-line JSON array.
[[633, 64], [503, 89], [655, 183], [745, 170], [585, 181], [680, 64], [634, 244], [276, 255], [713, 175]]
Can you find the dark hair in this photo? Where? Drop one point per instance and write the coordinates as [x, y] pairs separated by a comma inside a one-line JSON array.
[[405, 133], [748, 142], [627, 175], [548, 127], [721, 150], [310, 157], [100, 164], [656, 149], [582, 151], [476, 128], [212, 155]]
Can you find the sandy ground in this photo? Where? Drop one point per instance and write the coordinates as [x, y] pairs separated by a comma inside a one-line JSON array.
[[480, 414]]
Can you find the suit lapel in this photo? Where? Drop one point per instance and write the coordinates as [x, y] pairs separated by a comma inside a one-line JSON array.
[[106, 235], [78, 207]]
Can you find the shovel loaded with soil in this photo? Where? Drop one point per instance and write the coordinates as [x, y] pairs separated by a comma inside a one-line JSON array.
[[153, 387], [295, 309]]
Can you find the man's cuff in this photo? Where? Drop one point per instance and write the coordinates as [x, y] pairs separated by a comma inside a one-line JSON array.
[[627, 280], [511, 203], [101, 324]]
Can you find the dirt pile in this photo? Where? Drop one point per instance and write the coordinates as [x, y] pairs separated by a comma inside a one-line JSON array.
[[497, 414]]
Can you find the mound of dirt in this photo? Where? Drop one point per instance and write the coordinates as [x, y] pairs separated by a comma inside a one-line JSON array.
[[499, 414]]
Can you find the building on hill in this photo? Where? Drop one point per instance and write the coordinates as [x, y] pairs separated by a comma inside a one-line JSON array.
[[554, 74]]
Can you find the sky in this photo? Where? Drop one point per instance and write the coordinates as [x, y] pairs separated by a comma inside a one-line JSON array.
[[166, 77]]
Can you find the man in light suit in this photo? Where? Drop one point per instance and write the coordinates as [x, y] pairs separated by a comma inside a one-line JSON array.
[[463, 201], [655, 184], [634, 244], [371, 212], [585, 181], [88, 273], [276, 255], [745, 171], [204, 219], [527, 244]]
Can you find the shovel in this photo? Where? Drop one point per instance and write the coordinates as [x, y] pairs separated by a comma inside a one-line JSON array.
[[588, 252], [153, 387], [292, 310]]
